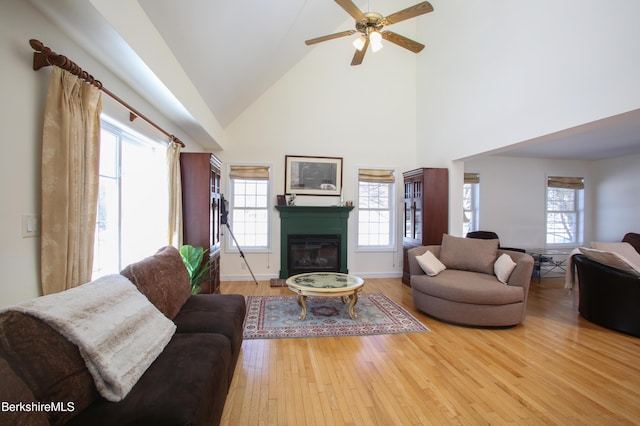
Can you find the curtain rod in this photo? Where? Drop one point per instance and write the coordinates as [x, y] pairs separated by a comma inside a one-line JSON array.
[[44, 57]]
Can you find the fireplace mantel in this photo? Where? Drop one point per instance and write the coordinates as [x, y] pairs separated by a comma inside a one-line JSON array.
[[313, 220]]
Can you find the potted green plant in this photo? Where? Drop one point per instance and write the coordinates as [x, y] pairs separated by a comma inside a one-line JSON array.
[[197, 269]]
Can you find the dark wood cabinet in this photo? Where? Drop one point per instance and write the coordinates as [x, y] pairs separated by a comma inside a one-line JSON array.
[[426, 210], [200, 174]]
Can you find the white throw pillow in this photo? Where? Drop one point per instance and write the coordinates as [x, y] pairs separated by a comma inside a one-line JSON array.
[[430, 264], [503, 267]]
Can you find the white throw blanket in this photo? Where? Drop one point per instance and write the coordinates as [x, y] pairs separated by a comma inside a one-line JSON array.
[[571, 278], [623, 252], [118, 331]]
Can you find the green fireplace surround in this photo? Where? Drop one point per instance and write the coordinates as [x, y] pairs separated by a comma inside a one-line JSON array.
[[312, 220]]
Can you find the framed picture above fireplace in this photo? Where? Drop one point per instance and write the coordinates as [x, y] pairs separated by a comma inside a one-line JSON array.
[[313, 175]]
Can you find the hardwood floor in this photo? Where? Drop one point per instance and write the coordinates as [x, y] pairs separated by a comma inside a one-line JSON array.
[[555, 368]]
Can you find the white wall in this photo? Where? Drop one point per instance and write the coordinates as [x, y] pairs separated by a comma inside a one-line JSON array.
[[23, 99], [23, 93], [495, 73], [513, 196], [616, 200], [325, 107]]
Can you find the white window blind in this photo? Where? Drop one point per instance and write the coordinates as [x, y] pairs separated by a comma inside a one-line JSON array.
[[376, 206], [249, 209], [470, 202], [565, 212]]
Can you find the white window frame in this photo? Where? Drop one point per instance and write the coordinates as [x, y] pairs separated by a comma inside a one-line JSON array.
[[474, 210], [230, 244], [392, 207], [122, 133], [579, 215]]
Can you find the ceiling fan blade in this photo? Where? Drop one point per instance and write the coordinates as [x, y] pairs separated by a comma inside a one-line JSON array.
[[329, 37], [408, 13], [352, 9], [402, 41], [359, 55]]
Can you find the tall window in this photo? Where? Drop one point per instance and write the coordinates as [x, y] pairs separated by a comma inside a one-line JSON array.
[[470, 202], [565, 210], [133, 199], [376, 204], [249, 209]]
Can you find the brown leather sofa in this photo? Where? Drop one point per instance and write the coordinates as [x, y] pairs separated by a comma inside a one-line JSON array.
[[467, 292], [187, 384], [608, 296]]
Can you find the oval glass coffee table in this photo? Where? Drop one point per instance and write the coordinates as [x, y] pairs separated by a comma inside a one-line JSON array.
[[326, 284]]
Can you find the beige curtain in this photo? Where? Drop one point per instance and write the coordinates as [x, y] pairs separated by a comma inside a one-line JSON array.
[[70, 167], [175, 195]]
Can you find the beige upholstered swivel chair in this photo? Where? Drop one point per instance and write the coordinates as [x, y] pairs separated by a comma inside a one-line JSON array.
[[467, 291]]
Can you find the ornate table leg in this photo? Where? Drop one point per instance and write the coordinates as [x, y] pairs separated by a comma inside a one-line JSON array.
[[354, 300], [302, 301]]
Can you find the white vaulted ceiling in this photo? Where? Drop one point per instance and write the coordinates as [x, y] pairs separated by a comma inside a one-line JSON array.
[[214, 57], [203, 62], [234, 50]]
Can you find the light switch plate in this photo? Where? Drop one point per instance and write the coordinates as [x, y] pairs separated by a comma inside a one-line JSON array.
[[30, 225]]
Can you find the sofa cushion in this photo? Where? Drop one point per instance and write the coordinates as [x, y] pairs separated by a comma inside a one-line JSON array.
[[215, 313], [469, 254], [163, 278], [48, 363], [430, 263], [503, 267], [186, 385], [14, 391], [467, 287]]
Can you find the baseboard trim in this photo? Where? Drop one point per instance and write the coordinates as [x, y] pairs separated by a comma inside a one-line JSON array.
[[268, 277]]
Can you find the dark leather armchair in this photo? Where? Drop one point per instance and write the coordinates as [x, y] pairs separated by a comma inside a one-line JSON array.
[[490, 235], [608, 296]]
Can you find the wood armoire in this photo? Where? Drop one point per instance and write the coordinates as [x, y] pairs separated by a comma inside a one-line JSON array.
[[426, 210], [200, 173]]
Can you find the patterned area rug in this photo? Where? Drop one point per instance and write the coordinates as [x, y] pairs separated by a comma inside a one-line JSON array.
[[273, 317]]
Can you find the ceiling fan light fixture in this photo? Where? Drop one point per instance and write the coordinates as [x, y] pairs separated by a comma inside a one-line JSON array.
[[376, 41], [370, 26], [359, 42]]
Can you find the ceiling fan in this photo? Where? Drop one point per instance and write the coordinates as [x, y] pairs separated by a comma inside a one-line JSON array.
[[370, 24]]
